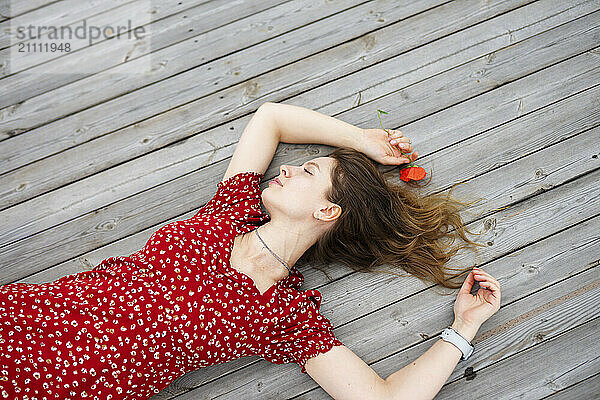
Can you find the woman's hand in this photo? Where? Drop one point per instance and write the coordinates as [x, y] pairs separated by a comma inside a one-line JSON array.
[[377, 145], [474, 310]]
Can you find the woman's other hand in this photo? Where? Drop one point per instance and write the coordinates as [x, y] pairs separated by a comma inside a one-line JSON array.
[[378, 146], [474, 310]]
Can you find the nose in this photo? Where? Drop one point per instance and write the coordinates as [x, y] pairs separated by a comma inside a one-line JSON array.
[[283, 170], [287, 170]]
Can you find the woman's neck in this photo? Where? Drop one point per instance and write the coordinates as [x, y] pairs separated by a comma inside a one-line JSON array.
[[288, 243]]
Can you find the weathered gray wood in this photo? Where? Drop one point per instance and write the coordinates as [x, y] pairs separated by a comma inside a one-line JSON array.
[[186, 54], [12, 8], [521, 376], [156, 132], [171, 21], [521, 336], [58, 13], [487, 39], [398, 333], [495, 107], [587, 388], [199, 82]]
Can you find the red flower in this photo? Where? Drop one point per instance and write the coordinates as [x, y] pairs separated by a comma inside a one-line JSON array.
[[410, 171], [413, 172]]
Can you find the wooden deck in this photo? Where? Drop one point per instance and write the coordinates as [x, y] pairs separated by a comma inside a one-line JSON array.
[[502, 94]]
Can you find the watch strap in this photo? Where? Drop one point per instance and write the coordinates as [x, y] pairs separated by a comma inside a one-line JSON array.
[[451, 336]]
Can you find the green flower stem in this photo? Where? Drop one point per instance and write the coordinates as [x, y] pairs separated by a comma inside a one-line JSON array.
[[410, 164]]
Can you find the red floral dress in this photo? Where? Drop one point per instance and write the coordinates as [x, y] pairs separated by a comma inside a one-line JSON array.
[[134, 324]]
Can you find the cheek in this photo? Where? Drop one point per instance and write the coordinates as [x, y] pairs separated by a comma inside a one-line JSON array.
[[293, 204], [300, 195]]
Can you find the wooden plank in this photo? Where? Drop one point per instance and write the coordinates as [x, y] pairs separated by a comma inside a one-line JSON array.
[[14, 8], [171, 21], [539, 301], [56, 14], [23, 113], [156, 132], [586, 389], [185, 55], [452, 125], [521, 376], [248, 63]]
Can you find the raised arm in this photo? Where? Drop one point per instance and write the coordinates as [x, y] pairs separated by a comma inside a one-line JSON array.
[[275, 122], [297, 124], [344, 375], [257, 145]]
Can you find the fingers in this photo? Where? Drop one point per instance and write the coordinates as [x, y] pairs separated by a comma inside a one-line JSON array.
[[486, 280], [397, 138], [396, 134], [409, 157], [485, 275], [489, 285], [402, 142], [467, 284]]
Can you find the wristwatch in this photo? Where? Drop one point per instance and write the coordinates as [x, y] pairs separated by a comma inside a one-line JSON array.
[[450, 335]]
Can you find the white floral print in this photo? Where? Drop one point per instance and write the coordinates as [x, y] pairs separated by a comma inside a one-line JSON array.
[[134, 324]]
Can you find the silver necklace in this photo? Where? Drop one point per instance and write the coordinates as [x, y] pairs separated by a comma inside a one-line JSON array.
[[280, 260]]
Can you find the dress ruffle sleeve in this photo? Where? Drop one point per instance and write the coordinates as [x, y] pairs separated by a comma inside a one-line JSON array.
[[239, 199], [301, 334]]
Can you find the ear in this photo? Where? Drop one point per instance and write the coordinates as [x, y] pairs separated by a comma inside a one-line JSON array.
[[330, 213]]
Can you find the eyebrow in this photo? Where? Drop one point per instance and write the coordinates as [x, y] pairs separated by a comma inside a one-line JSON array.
[[315, 164]]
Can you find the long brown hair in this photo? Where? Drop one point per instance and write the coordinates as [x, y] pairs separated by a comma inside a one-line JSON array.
[[386, 223]]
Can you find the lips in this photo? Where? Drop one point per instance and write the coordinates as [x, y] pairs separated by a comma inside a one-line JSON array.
[[278, 181]]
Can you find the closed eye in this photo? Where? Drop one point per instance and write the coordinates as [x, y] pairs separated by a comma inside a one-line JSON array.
[[307, 171]]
